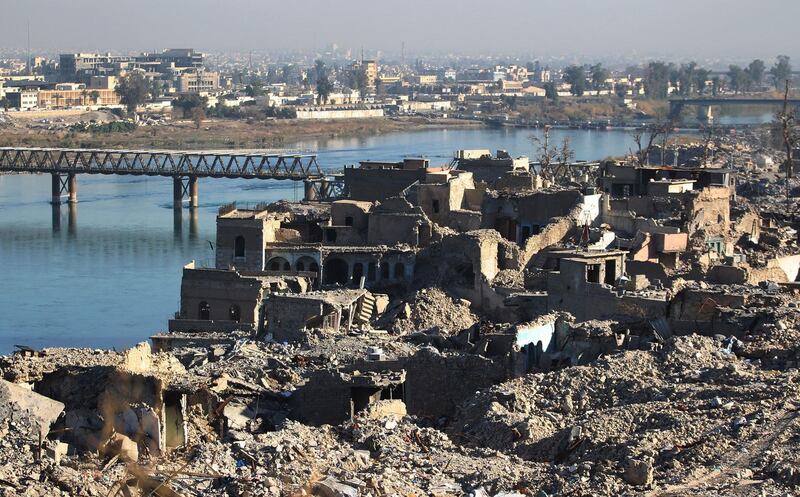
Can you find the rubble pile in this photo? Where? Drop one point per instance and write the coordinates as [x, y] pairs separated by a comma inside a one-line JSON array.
[[431, 308], [668, 412]]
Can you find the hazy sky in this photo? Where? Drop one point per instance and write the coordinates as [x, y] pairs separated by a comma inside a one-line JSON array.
[[590, 28]]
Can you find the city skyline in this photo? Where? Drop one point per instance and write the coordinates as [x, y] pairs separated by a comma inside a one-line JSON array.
[[621, 28]]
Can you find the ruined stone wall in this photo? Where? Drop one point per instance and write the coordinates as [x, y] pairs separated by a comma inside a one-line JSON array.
[[436, 201], [220, 290], [709, 209], [698, 305], [535, 209], [790, 265], [435, 385], [256, 233], [552, 234], [358, 212], [461, 220], [387, 228], [286, 318], [379, 184]]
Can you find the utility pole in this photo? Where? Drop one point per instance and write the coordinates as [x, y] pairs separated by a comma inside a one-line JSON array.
[[787, 123], [30, 69]]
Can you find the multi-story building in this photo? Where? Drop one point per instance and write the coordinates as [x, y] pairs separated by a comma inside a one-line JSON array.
[[21, 99], [426, 79], [76, 97], [197, 82], [82, 66], [371, 70]]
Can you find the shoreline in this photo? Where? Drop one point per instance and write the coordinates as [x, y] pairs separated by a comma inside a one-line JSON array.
[[225, 133]]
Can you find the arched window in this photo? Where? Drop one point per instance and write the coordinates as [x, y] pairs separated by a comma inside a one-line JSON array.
[[278, 264], [234, 313], [399, 271], [204, 311], [305, 263], [313, 267], [238, 246]]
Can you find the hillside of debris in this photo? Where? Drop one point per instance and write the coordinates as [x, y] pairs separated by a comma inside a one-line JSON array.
[[689, 415]]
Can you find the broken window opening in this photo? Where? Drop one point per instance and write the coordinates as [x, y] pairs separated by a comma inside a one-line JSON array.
[[204, 311], [234, 313], [399, 271], [507, 227], [465, 275], [525, 233], [238, 246], [358, 271], [593, 273], [611, 272], [435, 206], [384, 271], [336, 271], [174, 421]]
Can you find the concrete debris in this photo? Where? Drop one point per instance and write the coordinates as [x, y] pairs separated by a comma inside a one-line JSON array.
[[20, 401], [632, 329], [431, 308]]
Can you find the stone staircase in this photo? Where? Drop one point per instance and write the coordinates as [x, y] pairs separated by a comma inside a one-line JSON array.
[[366, 309]]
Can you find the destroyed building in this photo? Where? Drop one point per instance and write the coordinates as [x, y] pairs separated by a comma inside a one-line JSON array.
[[458, 331]]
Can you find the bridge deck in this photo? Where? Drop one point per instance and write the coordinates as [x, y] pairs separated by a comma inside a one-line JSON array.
[[172, 163], [726, 101]]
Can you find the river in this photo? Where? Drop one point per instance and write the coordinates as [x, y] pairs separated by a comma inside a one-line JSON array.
[[106, 272]]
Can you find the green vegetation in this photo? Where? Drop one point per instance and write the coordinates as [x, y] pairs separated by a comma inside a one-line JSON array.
[[781, 71], [133, 90], [107, 128], [324, 85], [358, 79], [594, 109]]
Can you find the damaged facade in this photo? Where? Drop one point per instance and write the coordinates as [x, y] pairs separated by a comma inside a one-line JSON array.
[[430, 320]]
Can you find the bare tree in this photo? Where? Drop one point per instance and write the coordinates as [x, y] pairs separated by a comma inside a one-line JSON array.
[[564, 156], [553, 160], [646, 138], [547, 153]]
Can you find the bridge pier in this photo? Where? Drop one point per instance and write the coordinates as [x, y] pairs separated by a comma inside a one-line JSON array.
[[64, 183], [704, 113], [185, 187], [193, 192]]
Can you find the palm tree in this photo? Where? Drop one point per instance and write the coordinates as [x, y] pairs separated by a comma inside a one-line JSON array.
[[95, 96], [84, 94]]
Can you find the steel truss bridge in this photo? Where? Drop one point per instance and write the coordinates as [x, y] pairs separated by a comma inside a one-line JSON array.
[[185, 167]]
